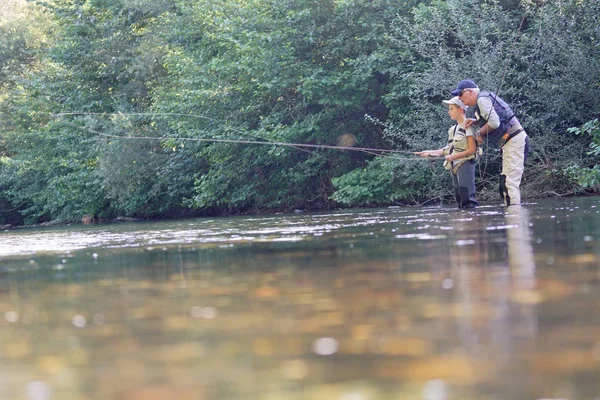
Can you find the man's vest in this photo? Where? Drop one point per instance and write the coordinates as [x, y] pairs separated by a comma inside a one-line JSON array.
[[499, 135]]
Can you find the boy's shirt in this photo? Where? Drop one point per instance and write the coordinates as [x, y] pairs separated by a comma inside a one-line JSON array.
[[457, 142]]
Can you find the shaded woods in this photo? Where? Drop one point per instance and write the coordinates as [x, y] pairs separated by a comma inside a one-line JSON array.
[[370, 73]]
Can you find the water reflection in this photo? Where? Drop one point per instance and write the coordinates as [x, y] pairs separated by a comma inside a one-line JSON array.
[[520, 250], [425, 303], [515, 324]]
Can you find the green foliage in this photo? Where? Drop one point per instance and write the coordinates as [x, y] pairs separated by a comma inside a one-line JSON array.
[[61, 166], [587, 176], [295, 71], [276, 71], [591, 128], [22, 36], [388, 180]]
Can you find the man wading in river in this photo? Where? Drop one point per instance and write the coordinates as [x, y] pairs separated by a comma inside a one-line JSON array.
[[498, 123]]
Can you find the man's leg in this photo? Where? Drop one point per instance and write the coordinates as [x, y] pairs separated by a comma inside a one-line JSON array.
[[513, 164], [503, 191]]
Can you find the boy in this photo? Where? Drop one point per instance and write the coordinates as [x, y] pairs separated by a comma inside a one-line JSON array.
[[459, 154]]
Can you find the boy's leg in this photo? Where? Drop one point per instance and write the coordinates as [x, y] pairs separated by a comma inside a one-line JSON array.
[[513, 164], [466, 184], [455, 186]]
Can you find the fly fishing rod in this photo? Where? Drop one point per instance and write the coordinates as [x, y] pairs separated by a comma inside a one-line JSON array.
[[301, 146]]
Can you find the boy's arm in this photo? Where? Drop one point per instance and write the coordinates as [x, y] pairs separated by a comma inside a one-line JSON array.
[[470, 150], [430, 153]]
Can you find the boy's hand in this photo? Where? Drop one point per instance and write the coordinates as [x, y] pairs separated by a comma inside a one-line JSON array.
[[424, 154]]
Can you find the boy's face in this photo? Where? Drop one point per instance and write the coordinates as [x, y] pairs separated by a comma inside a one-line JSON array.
[[455, 112]]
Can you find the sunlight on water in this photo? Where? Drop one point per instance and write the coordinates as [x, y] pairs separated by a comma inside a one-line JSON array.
[[51, 240], [399, 303]]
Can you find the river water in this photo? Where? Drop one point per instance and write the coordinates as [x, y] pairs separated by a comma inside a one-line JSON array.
[[399, 303]]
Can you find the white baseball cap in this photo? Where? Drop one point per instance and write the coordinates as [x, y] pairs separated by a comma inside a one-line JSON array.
[[455, 100]]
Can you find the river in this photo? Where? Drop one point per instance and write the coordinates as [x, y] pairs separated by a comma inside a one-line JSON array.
[[398, 303]]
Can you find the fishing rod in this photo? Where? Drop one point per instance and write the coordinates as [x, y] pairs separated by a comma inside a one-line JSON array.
[[300, 146], [504, 70]]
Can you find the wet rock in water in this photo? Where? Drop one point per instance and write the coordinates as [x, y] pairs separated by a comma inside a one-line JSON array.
[[126, 219]]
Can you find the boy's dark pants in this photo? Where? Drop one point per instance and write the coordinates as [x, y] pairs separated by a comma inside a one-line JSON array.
[[464, 185]]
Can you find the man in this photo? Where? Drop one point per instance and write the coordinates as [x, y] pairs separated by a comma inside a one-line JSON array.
[[498, 124]]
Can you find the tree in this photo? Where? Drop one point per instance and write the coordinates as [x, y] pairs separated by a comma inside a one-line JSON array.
[[291, 71]]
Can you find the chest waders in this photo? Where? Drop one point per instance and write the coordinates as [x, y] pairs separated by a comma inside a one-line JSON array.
[[462, 170], [500, 137]]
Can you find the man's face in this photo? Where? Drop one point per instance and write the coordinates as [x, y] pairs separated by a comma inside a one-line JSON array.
[[469, 97]]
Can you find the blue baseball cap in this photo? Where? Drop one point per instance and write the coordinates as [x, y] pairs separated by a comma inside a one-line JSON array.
[[464, 84]]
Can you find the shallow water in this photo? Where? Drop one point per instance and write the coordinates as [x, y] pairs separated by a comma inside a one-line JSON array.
[[401, 303]]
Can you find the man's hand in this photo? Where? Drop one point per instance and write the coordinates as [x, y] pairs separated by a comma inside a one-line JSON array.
[[479, 138], [469, 122]]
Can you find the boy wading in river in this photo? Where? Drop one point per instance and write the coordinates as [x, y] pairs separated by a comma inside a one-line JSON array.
[[459, 154]]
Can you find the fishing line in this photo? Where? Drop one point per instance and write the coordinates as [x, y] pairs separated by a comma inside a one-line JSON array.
[[299, 146], [167, 114]]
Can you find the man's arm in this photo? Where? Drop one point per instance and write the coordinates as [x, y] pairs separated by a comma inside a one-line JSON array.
[[487, 114]]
